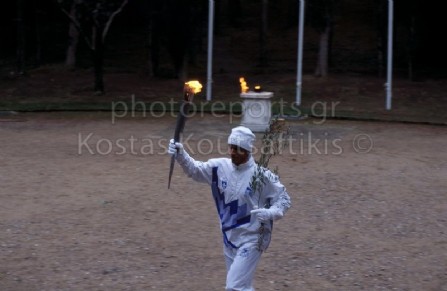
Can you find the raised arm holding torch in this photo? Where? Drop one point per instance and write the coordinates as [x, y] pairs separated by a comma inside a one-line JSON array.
[[189, 90]]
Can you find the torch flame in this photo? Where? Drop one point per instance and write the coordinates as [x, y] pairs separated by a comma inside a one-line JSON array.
[[244, 87], [193, 86]]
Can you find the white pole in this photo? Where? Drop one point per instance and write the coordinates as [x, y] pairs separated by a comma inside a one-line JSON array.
[[209, 80], [300, 52], [388, 85]]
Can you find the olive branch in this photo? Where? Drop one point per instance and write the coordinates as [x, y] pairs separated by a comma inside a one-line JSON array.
[[273, 142]]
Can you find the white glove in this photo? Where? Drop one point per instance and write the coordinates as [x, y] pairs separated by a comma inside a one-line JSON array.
[[264, 214], [175, 148]]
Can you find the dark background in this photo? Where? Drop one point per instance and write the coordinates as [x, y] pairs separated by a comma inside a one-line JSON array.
[[128, 32], [180, 28]]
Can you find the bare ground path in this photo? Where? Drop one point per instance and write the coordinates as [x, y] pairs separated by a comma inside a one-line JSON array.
[[84, 205]]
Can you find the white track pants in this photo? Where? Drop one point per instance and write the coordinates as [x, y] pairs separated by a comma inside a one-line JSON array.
[[241, 265]]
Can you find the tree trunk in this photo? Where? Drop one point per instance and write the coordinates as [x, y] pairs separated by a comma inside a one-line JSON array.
[[220, 16], [263, 34], [183, 70], [20, 38], [155, 33], [234, 12], [381, 37], [73, 38], [322, 15], [179, 37], [411, 47], [412, 44], [102, 20], [38, 35], [98, 60], [291, 13], [150, 63], [323, 53]]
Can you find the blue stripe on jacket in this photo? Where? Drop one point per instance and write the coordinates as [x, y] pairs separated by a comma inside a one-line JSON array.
[[231, 214]]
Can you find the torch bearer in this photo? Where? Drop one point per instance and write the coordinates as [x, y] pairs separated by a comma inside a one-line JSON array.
[[189, 90]]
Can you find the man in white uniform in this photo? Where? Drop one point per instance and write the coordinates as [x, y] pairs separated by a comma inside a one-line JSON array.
[[246, 217]]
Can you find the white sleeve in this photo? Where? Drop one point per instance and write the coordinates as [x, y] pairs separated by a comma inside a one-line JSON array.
[[197, 170], [280, 199]]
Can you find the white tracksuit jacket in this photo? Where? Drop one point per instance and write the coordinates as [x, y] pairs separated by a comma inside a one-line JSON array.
[[234, 198]]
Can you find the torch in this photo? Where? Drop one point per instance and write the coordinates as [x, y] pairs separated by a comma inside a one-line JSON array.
[[189, 90]]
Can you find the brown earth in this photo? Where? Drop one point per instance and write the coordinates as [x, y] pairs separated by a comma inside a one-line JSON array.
[[84, 205]]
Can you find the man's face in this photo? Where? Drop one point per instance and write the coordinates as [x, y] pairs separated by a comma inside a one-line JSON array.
[[238, 155]]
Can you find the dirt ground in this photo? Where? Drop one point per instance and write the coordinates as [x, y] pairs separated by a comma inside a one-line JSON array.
[[84, 205]]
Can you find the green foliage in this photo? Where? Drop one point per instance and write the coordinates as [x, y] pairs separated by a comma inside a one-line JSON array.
[[273, 142]]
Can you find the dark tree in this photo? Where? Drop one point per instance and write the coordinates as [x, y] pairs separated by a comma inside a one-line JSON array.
[[93, 20], [73, 39], [37, 30], [155, 33], [322, 20], [20, 51], [263, 34], [382, 22], [176, 25], [412, 22]]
